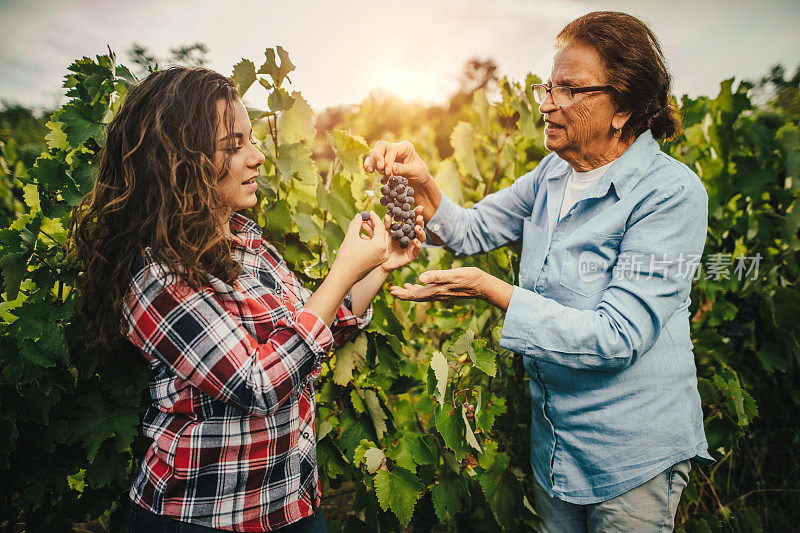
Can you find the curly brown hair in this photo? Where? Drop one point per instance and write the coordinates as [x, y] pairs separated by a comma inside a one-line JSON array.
[[156, 188]]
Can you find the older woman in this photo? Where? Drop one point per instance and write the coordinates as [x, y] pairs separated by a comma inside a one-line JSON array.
[[609, 226]]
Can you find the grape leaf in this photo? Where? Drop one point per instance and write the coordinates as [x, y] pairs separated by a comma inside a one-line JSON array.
[[351, 150], [296, 124], [449, 180], [503, 492], [450, 494], [271, 67], [485, 414], [306, 227], [376, 412], [374, 458], [398, 490], [95, 421], [409, 451], [279, 100], [483, 358], [471, 440], [244, 75], [56, 138], [78, 125], [461, 139], [348, 357], [439, 368], [326, 426], [294, 161], [278, 217], [360, 455], [463, 344], [452, 430], [358, 402]]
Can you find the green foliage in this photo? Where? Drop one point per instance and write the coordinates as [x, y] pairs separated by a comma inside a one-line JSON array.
[[394, 432]]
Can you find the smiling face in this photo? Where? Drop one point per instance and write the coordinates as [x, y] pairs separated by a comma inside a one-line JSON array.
[[238, 185], [583, 133]]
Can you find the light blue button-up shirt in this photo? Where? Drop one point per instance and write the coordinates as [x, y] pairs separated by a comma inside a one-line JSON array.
[[601, 315]]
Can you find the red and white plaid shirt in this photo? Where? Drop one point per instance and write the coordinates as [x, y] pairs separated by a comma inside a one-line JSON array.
[[231, 376]]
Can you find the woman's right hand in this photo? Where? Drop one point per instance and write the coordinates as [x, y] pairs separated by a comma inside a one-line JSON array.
[[398, 159], [359, 255], [401, 159]]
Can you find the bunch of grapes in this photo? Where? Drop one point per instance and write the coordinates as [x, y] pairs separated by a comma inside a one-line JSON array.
[[398, 198]]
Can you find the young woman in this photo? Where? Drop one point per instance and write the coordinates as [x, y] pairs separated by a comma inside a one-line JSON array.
[[232, 339]]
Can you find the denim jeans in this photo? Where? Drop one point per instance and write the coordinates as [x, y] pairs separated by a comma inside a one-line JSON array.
[[141, 520], [650, 507]]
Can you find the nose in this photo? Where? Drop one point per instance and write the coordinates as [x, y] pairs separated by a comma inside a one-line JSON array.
[[547, 105], [256, 158]]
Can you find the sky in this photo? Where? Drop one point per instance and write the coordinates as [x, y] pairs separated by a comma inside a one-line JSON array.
[[344, 49]]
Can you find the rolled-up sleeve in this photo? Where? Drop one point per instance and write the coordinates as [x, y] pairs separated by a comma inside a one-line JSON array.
[[669, 228], [345, 323], [191, 332], [491, 223]]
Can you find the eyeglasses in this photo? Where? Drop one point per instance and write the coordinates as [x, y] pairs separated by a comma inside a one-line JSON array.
[[562, 95]]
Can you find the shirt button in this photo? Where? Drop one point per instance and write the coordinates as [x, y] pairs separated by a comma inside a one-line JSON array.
[[436, 227], [306, 435]]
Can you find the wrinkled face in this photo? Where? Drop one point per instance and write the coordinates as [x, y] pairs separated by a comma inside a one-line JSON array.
[[575, 131], [238, 186]]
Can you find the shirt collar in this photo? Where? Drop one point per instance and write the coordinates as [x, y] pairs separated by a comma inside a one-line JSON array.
[[245, 232], [626, 170]]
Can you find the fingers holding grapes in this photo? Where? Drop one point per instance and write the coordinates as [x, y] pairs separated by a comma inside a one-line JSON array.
[[360, 254], [399, 159]]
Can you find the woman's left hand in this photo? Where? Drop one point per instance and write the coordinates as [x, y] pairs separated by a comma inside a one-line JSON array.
[[445, 285], [398, 256]]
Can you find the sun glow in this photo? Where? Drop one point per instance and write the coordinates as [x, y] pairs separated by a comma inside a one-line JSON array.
[[410, 84]]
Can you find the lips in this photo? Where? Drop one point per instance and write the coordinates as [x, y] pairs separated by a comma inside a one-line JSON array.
[[248, 182]]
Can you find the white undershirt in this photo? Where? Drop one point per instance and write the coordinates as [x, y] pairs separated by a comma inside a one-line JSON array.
[[577, 184]]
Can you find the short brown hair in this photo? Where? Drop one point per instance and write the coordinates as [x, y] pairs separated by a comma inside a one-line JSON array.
[[634, 65]]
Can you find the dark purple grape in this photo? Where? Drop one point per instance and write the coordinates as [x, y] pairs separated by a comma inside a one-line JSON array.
[[364, 216], [402, 180], [396, 211], [392, 182], [395, 226], [390, 206], [393, 194], [410, 199], [397, 235], [409, 191], [384, 180], [400, 188], [406, 228], [384, 200], [406, 207], [401, 198], [404, 241], [385, 190]]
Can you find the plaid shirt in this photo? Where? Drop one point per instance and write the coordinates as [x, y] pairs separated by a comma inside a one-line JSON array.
[[231, 376]]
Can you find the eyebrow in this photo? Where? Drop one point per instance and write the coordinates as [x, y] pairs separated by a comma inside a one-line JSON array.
[[236, 135], [563, 81]]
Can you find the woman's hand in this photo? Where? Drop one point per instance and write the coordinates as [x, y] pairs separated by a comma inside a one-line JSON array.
[[398, 256], [398, 159], [455, 284], [444, 285], [401, 159], [359, 255]]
